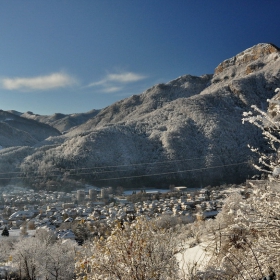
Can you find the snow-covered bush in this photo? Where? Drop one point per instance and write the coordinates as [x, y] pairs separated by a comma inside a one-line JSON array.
[[132, 251], [247, 245], [5, 249]]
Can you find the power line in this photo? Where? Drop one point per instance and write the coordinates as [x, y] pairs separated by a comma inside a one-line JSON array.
[[173, 172], [114, 166], [135, 176]]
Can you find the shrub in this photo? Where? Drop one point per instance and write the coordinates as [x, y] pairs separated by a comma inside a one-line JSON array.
[[136, 251]]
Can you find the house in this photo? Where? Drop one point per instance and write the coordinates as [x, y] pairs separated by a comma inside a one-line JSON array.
[[210, 214], [66, 234], [19, 215], [181, 189]]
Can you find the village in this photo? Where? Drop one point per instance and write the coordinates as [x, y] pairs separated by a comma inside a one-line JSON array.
[[23, 211]]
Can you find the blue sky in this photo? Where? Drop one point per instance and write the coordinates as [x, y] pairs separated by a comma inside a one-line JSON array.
[[71, 56]]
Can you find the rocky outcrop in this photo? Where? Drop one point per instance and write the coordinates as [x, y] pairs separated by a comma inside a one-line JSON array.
[[248, 56]]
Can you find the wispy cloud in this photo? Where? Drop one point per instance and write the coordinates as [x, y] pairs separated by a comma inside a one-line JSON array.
[[112, 89], [116, 82], [51, 81], [128, 77]]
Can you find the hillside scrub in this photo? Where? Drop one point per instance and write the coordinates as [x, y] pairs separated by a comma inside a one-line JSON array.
[[140, 250], [244, 239]]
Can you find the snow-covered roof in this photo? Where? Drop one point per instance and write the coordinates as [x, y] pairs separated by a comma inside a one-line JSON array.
[[66, 234]]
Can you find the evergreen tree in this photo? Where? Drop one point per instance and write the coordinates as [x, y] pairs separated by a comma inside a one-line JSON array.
[[5, 232], [82, 233]]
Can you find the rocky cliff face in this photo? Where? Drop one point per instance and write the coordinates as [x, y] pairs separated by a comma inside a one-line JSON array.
[[248, 58], [188, 131]]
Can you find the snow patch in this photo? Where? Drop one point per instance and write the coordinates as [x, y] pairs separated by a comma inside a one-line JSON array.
[[193, 257]]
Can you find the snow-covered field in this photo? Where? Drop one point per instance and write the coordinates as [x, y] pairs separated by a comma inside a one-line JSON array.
[[15, 233]]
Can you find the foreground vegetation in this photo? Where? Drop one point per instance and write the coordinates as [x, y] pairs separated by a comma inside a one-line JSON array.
[[241, 243]]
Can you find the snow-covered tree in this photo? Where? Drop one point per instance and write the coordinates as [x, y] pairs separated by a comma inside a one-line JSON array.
[[246, 234], [5, 249], [247, 245], [27, 255], [23, 230], [269, 123], [45, 236], [60, 261], [132, 251], [42, 257]]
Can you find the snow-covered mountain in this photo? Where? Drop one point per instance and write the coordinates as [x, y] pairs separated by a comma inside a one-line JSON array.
[[187, 131], [18, 131], [62, 122]]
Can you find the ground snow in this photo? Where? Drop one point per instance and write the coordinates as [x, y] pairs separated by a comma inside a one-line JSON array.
[[15, 233], [194, 256]]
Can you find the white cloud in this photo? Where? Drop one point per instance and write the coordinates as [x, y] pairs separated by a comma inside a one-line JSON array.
[[99, 83], [128, 77], [112, 82], [51, 81], [112, 89]]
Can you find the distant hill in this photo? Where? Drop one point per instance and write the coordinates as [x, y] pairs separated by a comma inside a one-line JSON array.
[[187, 131], [60, 121], [18, 131]]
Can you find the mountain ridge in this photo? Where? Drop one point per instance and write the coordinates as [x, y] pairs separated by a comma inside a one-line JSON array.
[[191, 123], [62, 122]]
